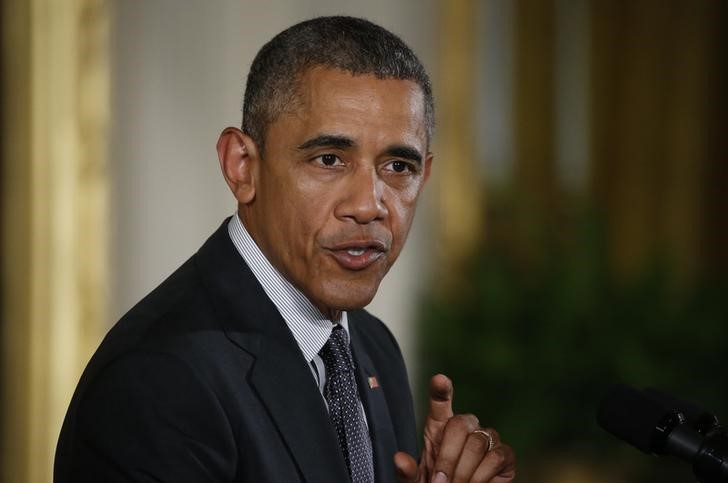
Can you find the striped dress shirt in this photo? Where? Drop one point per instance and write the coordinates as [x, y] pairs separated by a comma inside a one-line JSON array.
[[309, 326]]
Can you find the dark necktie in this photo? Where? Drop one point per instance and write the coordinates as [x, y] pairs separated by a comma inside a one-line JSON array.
[[344, 408]]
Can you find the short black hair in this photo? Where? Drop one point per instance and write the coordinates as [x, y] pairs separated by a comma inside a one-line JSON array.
[[351, 44]]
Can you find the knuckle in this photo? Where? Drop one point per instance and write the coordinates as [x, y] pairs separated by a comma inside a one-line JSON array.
[[465, 421], [473, 420], [497, 456], [509, 451], [510, 456], [476, 443]]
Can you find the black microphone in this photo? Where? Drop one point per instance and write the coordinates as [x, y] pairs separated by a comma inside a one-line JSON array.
[[660, 424], [698, 418]]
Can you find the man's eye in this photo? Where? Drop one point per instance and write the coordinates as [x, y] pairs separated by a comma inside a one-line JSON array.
[[401, 167], [329, 159]]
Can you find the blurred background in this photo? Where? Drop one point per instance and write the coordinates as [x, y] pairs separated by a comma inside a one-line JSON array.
[[573, 234]]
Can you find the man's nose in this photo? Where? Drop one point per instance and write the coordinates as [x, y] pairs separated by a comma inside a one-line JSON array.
[[363, 201]]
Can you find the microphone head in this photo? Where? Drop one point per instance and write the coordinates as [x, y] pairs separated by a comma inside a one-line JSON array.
[[632, 416], [697, 417]]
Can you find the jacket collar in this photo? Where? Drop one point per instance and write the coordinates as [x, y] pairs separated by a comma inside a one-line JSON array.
[[280, 375]]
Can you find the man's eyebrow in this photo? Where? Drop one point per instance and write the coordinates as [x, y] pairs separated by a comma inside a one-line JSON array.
[[327, 141], [405, 152]]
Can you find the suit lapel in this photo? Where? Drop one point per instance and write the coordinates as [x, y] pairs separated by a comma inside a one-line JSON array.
[[279, 375], [286, 386], [375, 405]]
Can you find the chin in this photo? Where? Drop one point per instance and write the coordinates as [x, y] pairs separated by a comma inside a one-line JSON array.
[[350, 297]]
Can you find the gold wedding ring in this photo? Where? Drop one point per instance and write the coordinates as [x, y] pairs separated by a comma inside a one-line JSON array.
[[487, 436]]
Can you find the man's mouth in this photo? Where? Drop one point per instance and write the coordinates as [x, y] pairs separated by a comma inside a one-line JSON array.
[[358, 255]]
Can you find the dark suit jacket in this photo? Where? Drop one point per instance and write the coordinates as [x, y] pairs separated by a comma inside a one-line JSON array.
[[203, 382]]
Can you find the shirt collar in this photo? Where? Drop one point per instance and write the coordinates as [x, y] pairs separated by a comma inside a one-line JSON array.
[[310, 327]]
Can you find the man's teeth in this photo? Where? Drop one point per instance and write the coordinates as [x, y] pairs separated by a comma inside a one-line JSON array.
[[355, 252]]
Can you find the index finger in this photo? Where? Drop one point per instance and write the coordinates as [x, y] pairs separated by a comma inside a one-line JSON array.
[[441, 391]]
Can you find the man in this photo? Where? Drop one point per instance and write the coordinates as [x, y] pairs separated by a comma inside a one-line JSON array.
[[254, 361]]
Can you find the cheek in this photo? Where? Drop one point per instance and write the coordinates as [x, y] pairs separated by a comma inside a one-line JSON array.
[[402, 212], [405, 198], [306, 212], [285, 214]]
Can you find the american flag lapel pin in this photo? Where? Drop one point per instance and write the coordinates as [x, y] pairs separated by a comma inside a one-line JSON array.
[[373, 383]]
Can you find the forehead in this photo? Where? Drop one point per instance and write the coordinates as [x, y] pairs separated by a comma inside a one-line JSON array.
[[332, 99]]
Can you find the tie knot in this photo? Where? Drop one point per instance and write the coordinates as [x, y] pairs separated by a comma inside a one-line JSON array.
[[339, 335], [336, 353]]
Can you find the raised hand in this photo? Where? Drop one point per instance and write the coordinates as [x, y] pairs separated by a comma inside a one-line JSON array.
[[456, 449]]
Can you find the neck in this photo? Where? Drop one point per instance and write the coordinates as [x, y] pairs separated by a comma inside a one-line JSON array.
[[333, 315]]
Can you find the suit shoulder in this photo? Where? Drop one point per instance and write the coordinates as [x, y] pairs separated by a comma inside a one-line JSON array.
[[379, 342], [375, 335], [175, 318]]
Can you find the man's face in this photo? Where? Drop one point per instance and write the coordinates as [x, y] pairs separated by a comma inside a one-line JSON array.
[[336, 193]]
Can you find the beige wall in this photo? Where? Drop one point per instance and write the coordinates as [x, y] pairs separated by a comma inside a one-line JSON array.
[[178, 69], [155, 81], [54, 110]]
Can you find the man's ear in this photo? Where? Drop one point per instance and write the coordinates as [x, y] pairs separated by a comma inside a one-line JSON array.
[[239, 160], [428, 165]]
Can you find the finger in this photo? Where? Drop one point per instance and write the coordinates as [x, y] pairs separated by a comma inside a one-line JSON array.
[[454, 438], [441, 391], [498, 465], [495, 437], [476, 446], [406, 468]]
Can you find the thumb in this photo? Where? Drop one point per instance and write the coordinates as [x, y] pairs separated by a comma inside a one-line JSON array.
[[406, 468], [440, 398]]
